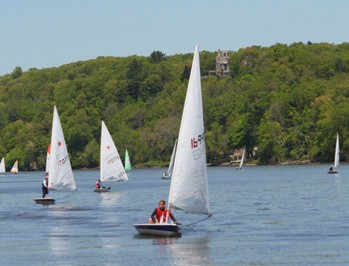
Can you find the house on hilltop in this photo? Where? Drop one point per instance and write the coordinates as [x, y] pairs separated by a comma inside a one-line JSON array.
[[222, 64]]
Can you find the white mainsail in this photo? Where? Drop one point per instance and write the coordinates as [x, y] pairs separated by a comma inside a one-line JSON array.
[[2, 166], [189, 186], [336, 156], [242, 159], [170, 167], [111, 165], [60, 172], [14, 169]]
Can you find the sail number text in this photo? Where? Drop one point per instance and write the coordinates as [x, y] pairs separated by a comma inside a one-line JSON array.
[[112, 160], [196, 141], [63, 161]]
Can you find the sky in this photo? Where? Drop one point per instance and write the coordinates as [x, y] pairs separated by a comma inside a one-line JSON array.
[[50, 33]]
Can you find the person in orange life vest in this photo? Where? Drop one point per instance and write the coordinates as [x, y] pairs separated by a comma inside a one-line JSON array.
[[160, 212], [98, 184]]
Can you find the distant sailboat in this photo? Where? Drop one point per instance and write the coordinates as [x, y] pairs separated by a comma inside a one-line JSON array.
[[2, 166], [111, 166], [242, 160], [334, 169], [128, 166], [189, 185], [167, 175], [60, 172], [14, 169]]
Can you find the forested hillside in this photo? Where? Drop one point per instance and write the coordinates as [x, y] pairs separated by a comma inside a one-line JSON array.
[[284, 103]]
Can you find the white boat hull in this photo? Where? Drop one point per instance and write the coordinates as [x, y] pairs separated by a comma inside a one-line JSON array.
[[104, 189], [158, 229], [44, 201], [332, 172]]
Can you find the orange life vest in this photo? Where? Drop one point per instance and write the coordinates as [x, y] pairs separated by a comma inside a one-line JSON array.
[[160, 213]]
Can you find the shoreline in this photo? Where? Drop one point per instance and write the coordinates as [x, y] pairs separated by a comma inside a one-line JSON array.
[[230, 164]]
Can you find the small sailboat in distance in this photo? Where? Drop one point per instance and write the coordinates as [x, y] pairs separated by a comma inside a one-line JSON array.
[[167, 175], [14, 169], [60, 172], [334, 169], [2, 166], [111, 166], [242, 160], [189, 184], [128, 166]]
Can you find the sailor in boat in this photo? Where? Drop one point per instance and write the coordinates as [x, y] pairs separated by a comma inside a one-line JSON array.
[[45, 186], [164, 175], [331, 169], [160, 213], [99, 184]]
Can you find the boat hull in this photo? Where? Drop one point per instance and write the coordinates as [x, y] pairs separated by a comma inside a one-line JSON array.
[[158, 229], [44, 201], [332, 172], [104, 189]]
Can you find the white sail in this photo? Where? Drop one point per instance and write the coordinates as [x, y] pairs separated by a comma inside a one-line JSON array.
[[189, 186], [60, 172], [336, 156], [48, 158], [111, 165], [242, 159], [170, 167], [2, 166], [14, 169]]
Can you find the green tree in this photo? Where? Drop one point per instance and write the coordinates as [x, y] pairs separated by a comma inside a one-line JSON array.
[[157, 57]]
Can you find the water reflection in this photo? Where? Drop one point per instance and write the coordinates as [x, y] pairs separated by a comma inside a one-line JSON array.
[[59, 229], [185, 251], [110, 199]]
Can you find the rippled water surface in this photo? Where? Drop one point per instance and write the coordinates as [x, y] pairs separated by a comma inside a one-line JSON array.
[[263, 215]]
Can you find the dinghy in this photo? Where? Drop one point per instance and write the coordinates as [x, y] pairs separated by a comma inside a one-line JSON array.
[[102, 189], [128, 166], [14, 169], [241, 161], [334, 169], [2, 166], [167, 175], [111, 168], [60, 172], [189, 186]]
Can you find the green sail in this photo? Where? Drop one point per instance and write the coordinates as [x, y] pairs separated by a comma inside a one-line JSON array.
[[127, 162]]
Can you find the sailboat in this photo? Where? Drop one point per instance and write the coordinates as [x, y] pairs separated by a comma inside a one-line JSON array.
[[189, 186], [242, 160], [167, 175], [127, 162], [14, 169], [111, 166], [60, 172], [334, 169], [2, 166]]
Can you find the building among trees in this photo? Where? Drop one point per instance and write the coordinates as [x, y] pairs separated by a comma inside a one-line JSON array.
[[222, 64]]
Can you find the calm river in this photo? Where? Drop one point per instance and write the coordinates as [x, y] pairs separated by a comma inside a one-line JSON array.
[[263, 215]]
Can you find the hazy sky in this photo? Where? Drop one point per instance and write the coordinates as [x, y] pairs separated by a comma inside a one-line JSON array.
[[50, 33]]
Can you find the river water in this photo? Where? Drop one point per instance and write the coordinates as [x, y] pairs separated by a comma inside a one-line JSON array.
[[263, 215]]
